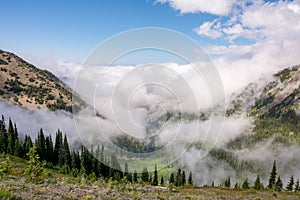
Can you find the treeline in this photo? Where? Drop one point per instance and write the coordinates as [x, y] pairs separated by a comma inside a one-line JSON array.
[[56, 154], [275, 183]]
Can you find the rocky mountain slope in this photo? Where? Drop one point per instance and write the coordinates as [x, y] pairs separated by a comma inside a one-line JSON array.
[[23, 84]]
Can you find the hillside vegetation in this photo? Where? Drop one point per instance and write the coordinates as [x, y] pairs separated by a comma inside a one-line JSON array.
[[23, 84]]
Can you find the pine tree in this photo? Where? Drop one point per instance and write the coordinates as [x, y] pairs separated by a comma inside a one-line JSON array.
[[66, 152], [17, 145], [145, 175], [49, 149], [236, 186], [3, 136], [273, 176], [257, 184], [172, 179], [11, 138], [41, 145], [35, 168], [290, 185], [227, 182], [27, 145], [58, 155], [178, 178], [245, 184], [162, 181], [297, 187], [278, 184], [135, 178], [183, 179], [155, 177], [190, 180]]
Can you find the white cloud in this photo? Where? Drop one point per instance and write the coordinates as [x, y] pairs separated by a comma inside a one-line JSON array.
[[208, 29], [193, 6]]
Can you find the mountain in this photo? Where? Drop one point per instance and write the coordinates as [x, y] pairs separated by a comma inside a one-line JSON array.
[[274, 106], [25, 85]]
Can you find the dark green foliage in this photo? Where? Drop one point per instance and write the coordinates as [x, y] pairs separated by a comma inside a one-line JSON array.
[[183, 179], [245, 184], [290, 185], [178, 178], [297, 186], [273, 176], [278, 184], [145, 175], [257, 184], [3, 136], [237, 186], [227, 182], [135, 178], [58, 154], [190, 180], [172, 179], [155, 177], [66, 152], [162, 182]]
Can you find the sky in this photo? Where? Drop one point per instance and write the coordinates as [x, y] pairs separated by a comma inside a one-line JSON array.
[[247, 37], [68, 30]]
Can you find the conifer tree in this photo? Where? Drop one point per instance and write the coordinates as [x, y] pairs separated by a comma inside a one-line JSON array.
[[41, 145], [162, 181], [183, 179], [58, 155], [66, 152], [3, 136], [245, 184], [190, 180], [155, 177], [27, 145], [297, 187], [212, 184], [290, 185], [172, 179], [145, 175], [273, 176], [178, 178], [257, 184], [11, 138], [135, 178], [278, 184], [49, 149], [236, 186]]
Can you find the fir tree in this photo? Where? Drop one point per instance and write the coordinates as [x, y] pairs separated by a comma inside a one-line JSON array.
[[58, 155], [11, 138], [290, 185], [155, 177], [3, 136], [162, 181], [183, 179], [190, 180], [135, 178], [172, 179], [257, 184], [178, 178], [227, 182], [27, 145], [66, 152], [41, 145], [35, 168], [245, 184], [145, 175], [273, 176], [297, 187], [236, 186], [278, 184]]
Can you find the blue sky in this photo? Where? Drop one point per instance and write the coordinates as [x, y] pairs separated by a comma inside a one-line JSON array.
[[68, 30]]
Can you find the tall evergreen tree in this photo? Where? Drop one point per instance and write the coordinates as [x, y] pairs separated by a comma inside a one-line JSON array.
[[162, 181], [11, 138], [135, 178], [257, 184], [245, 184], [155, 177], [190, 180], [17, 145], [172, 179], [178, 178], [145, 175], [27, 145], [278, 184], [297, 187], [41, 145], [58, 155], [49, 149], [227, 182], [66, 152], [290, 185], [3, 136], [183, 179], [273, 176]]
